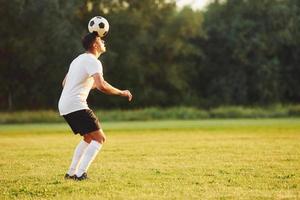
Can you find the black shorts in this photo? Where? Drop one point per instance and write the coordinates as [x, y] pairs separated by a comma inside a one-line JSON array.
[[82, 121]]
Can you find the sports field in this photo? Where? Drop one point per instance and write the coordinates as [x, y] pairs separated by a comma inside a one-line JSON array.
[[206, 159]]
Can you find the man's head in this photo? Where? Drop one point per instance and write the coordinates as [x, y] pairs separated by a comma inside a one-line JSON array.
[[93, 43]]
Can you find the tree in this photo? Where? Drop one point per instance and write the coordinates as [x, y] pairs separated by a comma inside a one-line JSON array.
[[243, 52], [38, 44]]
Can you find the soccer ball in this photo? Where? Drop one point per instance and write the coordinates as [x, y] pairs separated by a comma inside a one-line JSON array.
[[98, 24]]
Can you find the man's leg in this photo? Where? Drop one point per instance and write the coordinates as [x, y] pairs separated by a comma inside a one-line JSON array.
[[79, 151], [98, 138]]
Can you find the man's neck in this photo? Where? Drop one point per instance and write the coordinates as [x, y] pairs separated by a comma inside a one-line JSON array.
[[94, 52]]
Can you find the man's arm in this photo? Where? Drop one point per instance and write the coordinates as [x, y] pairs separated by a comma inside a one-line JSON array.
[[106, 88]]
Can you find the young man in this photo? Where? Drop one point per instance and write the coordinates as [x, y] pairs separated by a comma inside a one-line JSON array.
[[85, 73]]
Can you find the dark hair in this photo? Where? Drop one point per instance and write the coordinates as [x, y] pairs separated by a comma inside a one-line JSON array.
[[89, 39]]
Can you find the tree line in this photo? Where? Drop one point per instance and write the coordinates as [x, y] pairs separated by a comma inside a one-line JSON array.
[[235, 52]]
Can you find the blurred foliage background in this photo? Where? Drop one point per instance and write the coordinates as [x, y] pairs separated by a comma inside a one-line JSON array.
[[235, 52]]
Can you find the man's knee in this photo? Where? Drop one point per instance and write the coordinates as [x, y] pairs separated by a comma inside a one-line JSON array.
[[87, 138], [99, 136]]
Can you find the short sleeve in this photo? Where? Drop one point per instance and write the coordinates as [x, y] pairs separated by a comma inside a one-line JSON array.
[[94, 67]]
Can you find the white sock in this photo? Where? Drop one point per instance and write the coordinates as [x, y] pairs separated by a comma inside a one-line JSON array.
[[88, 157], [79, 150]]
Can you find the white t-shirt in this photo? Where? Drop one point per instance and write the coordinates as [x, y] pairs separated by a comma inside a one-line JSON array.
[[79, 82]]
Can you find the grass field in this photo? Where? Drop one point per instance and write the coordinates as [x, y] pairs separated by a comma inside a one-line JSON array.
[[206, 159]]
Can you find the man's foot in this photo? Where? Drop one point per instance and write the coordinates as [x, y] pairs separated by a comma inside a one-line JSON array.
[[67, 176], [81, 178]]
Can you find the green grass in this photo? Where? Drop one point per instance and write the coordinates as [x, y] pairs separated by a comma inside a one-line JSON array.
[[206, 159], [155, 113]]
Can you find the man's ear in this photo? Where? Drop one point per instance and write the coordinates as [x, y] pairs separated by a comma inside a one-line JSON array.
[[95, 45]]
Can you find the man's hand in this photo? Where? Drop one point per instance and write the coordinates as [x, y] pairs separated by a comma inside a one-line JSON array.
[[126, 93]]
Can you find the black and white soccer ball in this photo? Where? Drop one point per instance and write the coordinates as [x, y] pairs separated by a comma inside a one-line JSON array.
[[98, 24]]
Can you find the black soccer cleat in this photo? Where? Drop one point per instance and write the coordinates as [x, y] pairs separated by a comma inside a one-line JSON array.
[[67, 176], [81, 178]]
